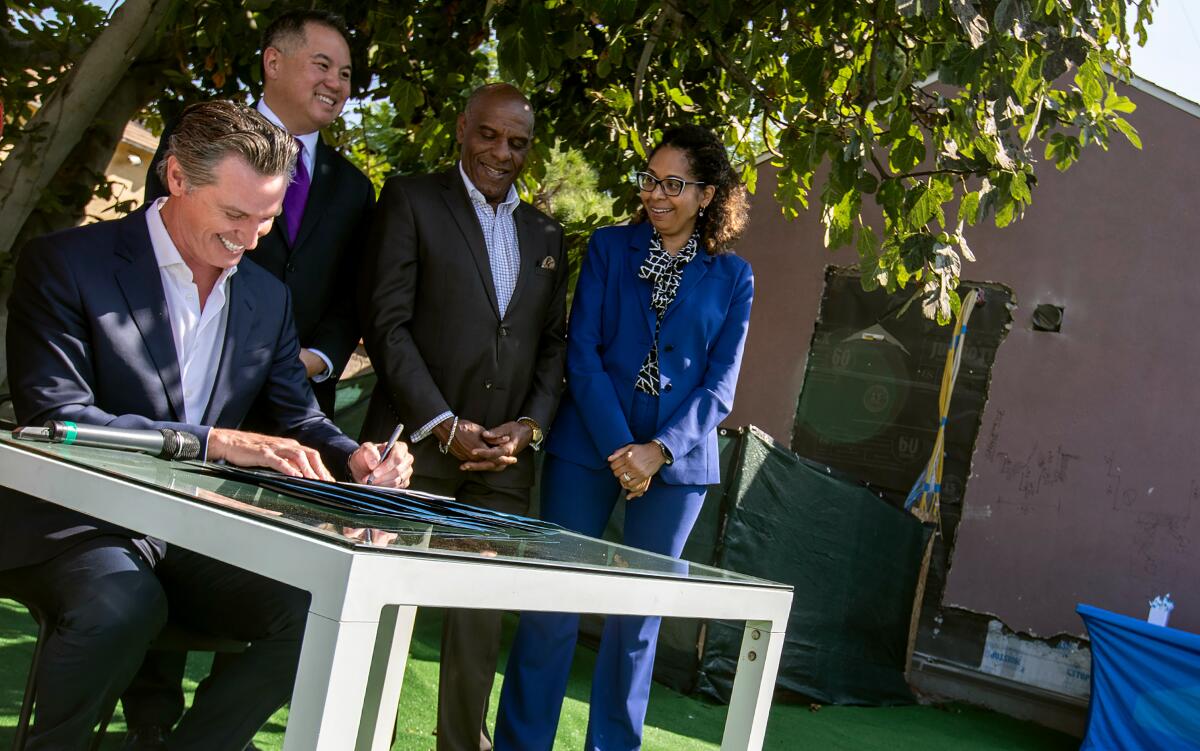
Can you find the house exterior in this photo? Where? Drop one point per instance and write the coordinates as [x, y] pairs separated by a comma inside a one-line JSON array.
[[1081, 484], [126, 172]]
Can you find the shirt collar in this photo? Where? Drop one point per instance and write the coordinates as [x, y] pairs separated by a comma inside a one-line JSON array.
[[508, 204], [685, 254], [165, 252], [307, 140]]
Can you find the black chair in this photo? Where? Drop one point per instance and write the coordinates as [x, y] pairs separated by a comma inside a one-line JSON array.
[[172, 637]]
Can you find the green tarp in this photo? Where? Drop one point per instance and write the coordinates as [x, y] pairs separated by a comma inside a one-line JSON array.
[[852, 559]]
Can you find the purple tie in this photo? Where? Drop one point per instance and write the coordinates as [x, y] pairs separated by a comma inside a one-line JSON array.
[[296, 196]]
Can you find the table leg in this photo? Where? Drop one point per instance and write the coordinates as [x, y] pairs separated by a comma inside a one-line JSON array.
[[386, 678], [331, 685], [753, 687]]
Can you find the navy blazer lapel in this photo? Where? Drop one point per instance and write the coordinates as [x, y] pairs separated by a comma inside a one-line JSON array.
[[693, 272], [240, 306], [531, 248], [319, 193], [639, 249], [459, 204], [141, 284]]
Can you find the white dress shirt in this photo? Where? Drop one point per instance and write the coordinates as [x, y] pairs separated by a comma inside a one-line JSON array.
[[308, 153], [199, 334]]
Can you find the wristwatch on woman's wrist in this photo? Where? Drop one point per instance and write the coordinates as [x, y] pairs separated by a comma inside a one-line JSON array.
[[666, 452]]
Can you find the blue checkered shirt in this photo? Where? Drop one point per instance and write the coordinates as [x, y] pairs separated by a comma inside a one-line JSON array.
[[500, 236]]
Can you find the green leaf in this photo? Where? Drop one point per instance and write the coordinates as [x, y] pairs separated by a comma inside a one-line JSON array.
[[906, 154], [1019, 188], [968, 208], [1130, 133], [406, 98], [868, 244], [1114, 102]]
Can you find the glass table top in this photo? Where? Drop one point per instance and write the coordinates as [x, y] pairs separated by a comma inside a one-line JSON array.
[[553, 547]]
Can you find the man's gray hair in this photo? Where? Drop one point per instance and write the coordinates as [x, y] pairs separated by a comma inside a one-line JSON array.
[[210, 131]]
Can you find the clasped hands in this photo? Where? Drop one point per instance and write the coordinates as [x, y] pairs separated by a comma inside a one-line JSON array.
[[634, 464], [483, 450], [245, 449]]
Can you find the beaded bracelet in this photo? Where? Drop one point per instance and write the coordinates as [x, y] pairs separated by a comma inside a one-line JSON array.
[[445, 447]]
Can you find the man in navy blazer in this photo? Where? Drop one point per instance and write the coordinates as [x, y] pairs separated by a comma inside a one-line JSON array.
[[151, 322]]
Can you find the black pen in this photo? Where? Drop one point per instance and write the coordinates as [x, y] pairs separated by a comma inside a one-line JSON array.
[[391, 444]]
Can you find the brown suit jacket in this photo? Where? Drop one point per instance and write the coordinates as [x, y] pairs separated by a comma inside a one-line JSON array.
[[433, 328]]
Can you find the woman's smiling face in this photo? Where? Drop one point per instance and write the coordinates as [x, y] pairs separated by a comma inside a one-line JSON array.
[[674, 216]]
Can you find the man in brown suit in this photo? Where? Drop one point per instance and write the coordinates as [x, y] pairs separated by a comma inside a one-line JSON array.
[[463, 303]]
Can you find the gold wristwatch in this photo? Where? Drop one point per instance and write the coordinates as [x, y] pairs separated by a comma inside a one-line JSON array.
[[536, 441]]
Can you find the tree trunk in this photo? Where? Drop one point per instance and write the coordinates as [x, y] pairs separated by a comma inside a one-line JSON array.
[[44, 144], [56, 129], [85, 170]]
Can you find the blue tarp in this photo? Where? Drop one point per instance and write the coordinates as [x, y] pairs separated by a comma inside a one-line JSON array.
[[1145, 685]]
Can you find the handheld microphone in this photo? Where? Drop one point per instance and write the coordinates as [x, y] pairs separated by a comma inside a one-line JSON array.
[[162, 442]]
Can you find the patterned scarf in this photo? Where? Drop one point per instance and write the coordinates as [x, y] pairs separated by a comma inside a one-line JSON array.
[[664, 272]]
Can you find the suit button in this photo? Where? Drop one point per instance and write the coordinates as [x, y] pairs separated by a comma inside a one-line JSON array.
[[503, 331], [291, 267], [487, 385], [669, 348], [667, 387]]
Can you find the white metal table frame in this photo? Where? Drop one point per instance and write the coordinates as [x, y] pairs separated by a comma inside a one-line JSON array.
[[364, 600]]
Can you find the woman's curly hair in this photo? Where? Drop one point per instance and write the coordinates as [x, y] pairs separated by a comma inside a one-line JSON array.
[[727, 214]]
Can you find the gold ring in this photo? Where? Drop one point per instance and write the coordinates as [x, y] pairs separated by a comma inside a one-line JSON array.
[[627, 477]]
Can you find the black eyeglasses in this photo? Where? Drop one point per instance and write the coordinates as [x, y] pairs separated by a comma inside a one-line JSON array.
[[672, 186]]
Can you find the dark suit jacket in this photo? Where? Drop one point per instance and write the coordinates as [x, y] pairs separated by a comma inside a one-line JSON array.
[[89, 340], [433, 328], [699, 355], [321, 267]]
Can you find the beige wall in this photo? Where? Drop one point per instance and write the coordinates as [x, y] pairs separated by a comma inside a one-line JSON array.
[[129, 181]]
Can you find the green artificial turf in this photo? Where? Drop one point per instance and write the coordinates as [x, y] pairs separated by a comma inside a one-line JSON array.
[[674, 721]]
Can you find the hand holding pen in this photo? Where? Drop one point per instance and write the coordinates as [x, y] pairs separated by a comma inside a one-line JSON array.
[[393, 468]]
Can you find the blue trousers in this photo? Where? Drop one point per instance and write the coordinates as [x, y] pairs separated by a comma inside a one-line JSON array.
[[535, 681]]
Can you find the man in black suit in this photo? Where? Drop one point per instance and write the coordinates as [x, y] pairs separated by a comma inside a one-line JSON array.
[[151, 322], [316, 246], [463, 302]]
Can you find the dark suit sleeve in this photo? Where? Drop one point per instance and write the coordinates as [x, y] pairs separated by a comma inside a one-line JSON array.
[[290, 400], [711, 402], [388, 291], [50, 352], [592, 389], [547, 386], [338, 331]]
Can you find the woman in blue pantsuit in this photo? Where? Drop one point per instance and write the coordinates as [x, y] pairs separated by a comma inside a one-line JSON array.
[[654, 347]]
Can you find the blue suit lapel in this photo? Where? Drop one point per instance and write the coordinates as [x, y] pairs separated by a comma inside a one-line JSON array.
[[639, 247], [693, 272], [237, 333], [141, 284]]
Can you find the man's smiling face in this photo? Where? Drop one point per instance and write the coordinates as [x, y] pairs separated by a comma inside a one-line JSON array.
[[213, 225], [308, 81], [496, 133]]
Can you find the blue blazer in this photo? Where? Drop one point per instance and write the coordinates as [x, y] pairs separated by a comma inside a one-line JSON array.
[[609, 334], [89, 340]]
